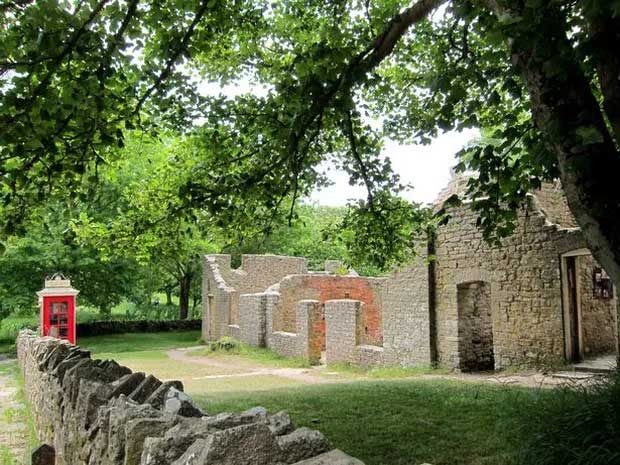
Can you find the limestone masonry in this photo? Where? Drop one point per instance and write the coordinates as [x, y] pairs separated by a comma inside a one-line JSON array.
[[538, 298], [101, 413]]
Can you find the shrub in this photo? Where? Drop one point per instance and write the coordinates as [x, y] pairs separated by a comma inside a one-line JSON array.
[[573, 426], [12, 325], [225, 343]]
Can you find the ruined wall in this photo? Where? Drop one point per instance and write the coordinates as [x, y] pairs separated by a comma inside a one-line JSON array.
[[100, 413], [341, 317], [217, 299], [322, 288], [394, 314], [597, 314], [290, 317], [523, 276], [258, 272], [552, 202], [222, 286], [406, 315]]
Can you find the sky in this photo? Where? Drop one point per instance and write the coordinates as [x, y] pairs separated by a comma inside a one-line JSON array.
[[425, 167]]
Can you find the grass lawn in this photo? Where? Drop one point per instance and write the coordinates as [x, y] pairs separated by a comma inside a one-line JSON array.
[[107, 345], [146, 352], [236, 352], [399, 422]]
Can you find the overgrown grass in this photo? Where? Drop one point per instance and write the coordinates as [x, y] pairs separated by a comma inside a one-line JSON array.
[[123, 343], [229, 347], [402, 422], [573, 426]]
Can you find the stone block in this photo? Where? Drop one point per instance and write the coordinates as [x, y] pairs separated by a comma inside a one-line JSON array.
[[179, 403], [157, 398], [252, 444], [301, 444], [334, 457]]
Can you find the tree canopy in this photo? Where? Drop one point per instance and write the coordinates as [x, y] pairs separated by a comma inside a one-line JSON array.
[[540, 75]]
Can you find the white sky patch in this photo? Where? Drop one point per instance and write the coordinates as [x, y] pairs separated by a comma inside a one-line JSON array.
[[243, 87], [425, 167]]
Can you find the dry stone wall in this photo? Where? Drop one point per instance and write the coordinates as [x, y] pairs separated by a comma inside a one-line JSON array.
[[96, 412]]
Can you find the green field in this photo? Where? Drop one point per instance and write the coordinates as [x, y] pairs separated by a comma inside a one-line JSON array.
[[126, 343], [394, 421], [399, 422]]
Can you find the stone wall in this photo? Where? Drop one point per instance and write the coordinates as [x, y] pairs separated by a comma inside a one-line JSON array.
[[289, 317], [523, 278], [100, 413], [430, 311], [341, 318], [406, 315], [552, 202], [311, 329], [597, 313], [222, 285]]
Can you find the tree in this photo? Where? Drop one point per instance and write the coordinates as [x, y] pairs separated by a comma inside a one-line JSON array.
[[146, 222], [49, 246], [543, 74]]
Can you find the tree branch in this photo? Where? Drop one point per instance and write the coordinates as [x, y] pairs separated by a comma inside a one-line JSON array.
[[175, 55], [132, 9], [350, 134], [66, 50], [360, 66]]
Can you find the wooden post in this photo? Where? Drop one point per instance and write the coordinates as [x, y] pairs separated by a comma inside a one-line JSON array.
[[44, 455]]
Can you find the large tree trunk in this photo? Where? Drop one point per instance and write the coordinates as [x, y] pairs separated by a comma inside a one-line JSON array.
[[568, 114], [184, 288]]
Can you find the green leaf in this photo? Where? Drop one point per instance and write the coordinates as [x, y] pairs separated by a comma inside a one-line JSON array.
[[590, 135]]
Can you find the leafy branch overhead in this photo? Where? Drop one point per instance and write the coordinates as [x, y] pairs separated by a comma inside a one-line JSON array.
[[539, 78]]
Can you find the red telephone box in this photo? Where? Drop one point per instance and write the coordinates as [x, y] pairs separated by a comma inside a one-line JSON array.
[[57, 305]]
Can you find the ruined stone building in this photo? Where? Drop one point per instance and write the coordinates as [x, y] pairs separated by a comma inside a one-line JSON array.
[[539, 297]]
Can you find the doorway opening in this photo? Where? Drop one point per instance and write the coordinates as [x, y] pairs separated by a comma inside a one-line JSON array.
[[475, 327], [588, 308]]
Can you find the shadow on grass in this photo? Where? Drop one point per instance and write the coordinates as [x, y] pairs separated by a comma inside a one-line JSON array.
[[132, 342], [402, 422]]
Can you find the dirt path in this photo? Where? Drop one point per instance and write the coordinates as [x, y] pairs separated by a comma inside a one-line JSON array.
[[319, 375], [304, 375], [13, 428]]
